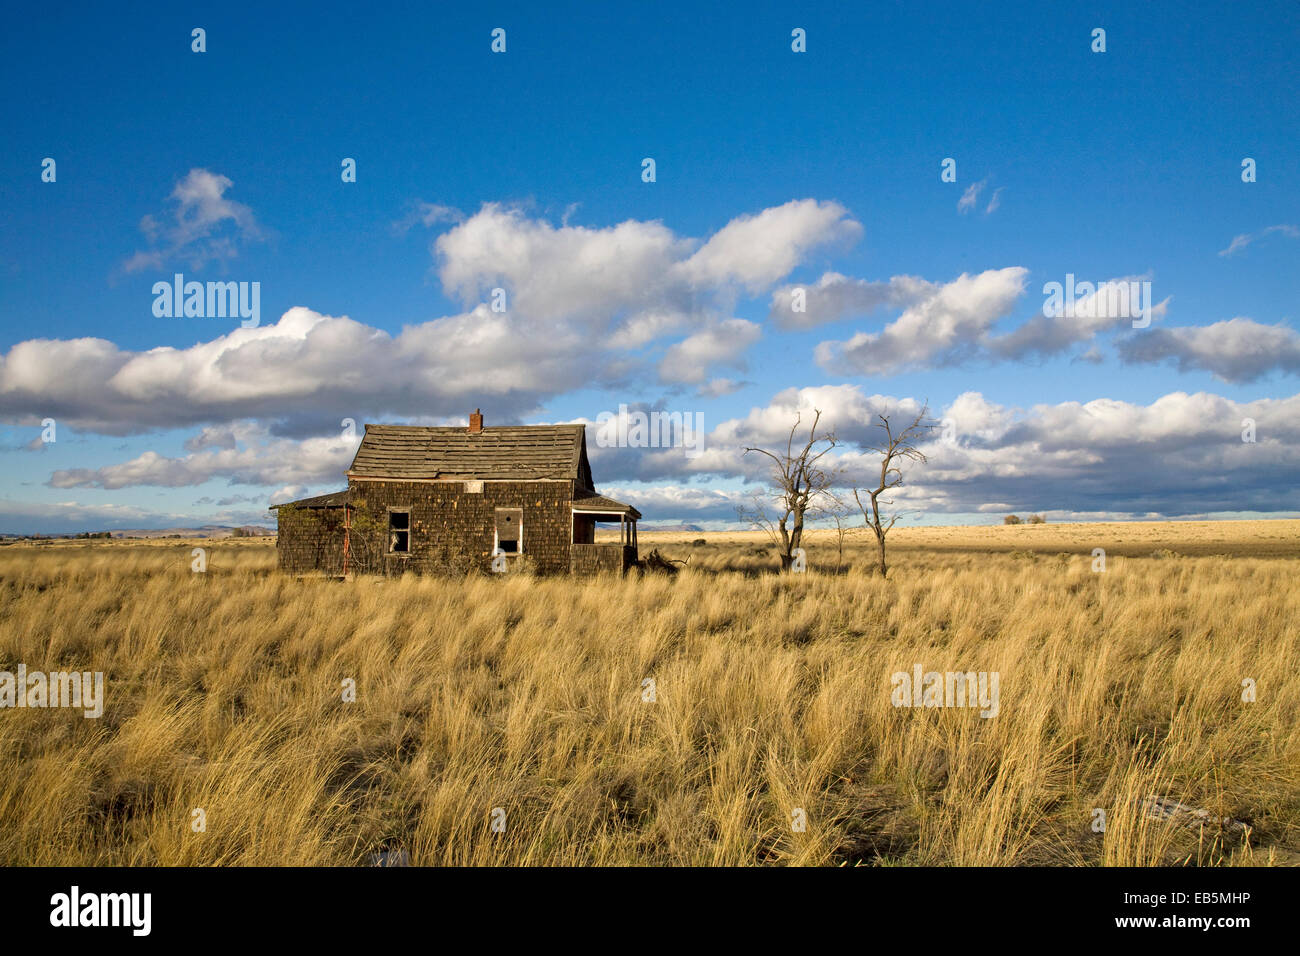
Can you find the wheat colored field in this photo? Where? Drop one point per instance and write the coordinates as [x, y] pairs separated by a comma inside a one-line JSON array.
[[771, 737]]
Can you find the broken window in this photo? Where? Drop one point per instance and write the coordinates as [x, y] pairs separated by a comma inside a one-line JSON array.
[[510, 530], [399, 532]]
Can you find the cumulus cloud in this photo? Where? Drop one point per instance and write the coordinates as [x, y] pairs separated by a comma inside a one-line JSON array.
[[691, 503], [835, 297], [632, 269], [942, 327], [571, 272], [194, 230], [1113, 304], [255, 459], [844, 408], [756, 251], [288, 493], [579, 302], [69, 517], [306, 366], [1180, 455], [944, 324], [1235, 350], [689, 360], [225, 437]]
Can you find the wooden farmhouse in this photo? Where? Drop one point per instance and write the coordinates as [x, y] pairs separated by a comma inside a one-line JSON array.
[[459, 499]]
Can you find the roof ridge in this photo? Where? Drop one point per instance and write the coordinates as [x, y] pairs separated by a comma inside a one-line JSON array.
[[518, 452]]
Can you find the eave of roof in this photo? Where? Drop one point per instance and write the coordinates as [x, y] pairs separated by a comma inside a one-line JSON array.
[[599, 504], [335, 499]]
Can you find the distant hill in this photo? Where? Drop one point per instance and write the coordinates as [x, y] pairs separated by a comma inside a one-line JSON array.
[[203, 531], [673, 527]]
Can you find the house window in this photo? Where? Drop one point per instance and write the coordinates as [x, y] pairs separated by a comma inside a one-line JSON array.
[[474, 487], [510, 530], [399, 532]]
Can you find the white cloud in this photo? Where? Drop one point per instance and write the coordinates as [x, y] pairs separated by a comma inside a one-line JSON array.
[[723, 344], [428, 214], [1235, 350], [573, 273], [306, 366], [635, 280], [942, 327], [255, 459], [579, 301], [1111, 305], [971, 196], [757, 251], [288, 493], [683, 502], [1182, 454], [834, 297], [1243, 240], [944, 324], [200, 210], [718, 387]]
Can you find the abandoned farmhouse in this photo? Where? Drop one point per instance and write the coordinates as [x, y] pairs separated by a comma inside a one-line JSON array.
[[459, 499]]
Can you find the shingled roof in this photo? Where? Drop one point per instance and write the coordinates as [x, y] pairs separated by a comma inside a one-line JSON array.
[[599, 504], [335, 499], [510, 452]]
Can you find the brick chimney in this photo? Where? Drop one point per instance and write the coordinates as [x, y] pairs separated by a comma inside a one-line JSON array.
[[476, 422]]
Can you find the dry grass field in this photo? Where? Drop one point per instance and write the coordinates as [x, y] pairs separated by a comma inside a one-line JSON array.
[[772, 705]]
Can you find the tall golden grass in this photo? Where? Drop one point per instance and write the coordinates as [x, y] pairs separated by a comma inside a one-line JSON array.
[[224, 691]]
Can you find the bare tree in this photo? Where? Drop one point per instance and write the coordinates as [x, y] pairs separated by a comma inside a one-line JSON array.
[[893, 451], [831, 507], [797, 481]]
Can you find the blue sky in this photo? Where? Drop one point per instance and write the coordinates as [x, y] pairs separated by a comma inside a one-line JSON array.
[[775, 170]]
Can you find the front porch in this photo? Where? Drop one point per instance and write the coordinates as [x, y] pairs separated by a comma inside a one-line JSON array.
[[586, 556]]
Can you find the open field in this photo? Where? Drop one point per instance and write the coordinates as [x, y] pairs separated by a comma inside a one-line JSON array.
[[1264, 538], [772, 703]]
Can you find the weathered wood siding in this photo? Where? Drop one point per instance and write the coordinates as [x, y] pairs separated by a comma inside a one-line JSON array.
[[452, 529], [310, 539], [593, 558]]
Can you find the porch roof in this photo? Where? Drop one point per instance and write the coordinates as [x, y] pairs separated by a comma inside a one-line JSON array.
[[335, 499], [599, 504]]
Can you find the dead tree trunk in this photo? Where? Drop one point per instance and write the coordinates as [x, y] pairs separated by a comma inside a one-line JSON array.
[[797, 481], [894, 450]]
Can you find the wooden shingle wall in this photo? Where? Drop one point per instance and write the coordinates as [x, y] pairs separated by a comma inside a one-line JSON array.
[[594, 558], [310, 539], [452, 529]]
